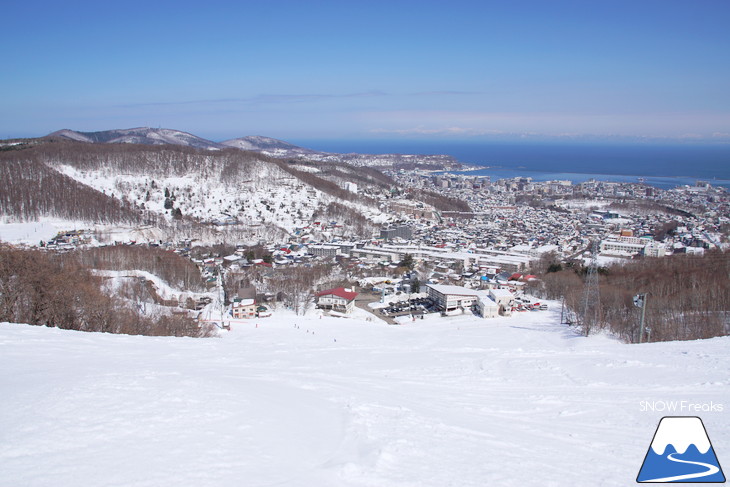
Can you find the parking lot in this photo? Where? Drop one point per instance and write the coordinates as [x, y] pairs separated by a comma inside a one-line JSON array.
[[415, 307]]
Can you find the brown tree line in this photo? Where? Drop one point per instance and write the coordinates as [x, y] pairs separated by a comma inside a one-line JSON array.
[[230, 166], [44, 289], [688, 296], [293, 287], [326, 186], [177, 271], [157, 160], [363, 174], [634, 206], [345, 216], [439, 201]]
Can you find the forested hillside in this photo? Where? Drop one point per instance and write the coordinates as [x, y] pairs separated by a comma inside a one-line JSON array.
[[30, 189], [177, 271], [688, 296], [165, 184], [59, 290]]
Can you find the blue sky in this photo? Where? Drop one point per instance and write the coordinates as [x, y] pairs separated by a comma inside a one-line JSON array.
[[368, 70]]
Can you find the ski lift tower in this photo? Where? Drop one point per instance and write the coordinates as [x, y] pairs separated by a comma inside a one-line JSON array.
[[221, 297], [591, 312], [640, 302]]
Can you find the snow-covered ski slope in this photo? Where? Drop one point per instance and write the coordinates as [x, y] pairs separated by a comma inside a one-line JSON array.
[[312, 401]]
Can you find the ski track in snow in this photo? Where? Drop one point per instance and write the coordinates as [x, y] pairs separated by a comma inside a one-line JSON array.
[[335, 402]]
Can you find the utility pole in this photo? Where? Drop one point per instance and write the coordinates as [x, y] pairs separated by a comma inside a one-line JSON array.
[[591, 294], [221, 294], [640, 302]]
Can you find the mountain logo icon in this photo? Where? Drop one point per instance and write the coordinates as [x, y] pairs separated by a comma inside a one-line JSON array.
[[681, 452]]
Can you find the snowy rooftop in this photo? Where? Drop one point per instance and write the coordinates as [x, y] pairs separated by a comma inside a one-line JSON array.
[[501, 292], [449, 289]]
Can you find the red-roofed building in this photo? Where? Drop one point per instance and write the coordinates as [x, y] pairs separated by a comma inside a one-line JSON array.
[[338, 299]]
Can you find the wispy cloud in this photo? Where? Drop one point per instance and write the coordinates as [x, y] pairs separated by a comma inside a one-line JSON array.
[[182, 102], [263, 98], [469, 131], [283, 98], [447, 92], [545, 124]]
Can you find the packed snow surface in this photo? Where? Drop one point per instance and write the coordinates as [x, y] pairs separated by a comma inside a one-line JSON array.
[[292, 401], [32, 232]]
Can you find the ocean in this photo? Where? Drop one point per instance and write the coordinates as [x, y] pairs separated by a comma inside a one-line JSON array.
[[664, 166]]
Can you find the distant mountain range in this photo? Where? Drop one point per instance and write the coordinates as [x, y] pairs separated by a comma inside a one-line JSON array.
[[255, 143], [141, 135]]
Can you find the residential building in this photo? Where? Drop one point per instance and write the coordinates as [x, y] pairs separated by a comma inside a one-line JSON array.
[[629, 246], [450, 298], [243, 309], [488, 304], [324, 250], [486, 307], [617, 247], [655, 249], [338, 299], [504, 299], [401, 231]]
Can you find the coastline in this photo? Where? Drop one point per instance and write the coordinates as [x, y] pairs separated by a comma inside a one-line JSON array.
[[663, 182], [664, 166]]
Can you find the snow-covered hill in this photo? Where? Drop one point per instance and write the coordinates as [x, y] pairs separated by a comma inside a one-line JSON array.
[[259, 143], [250, 194], [140, 135], [266, 195], [293, 401], [217, 187]]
